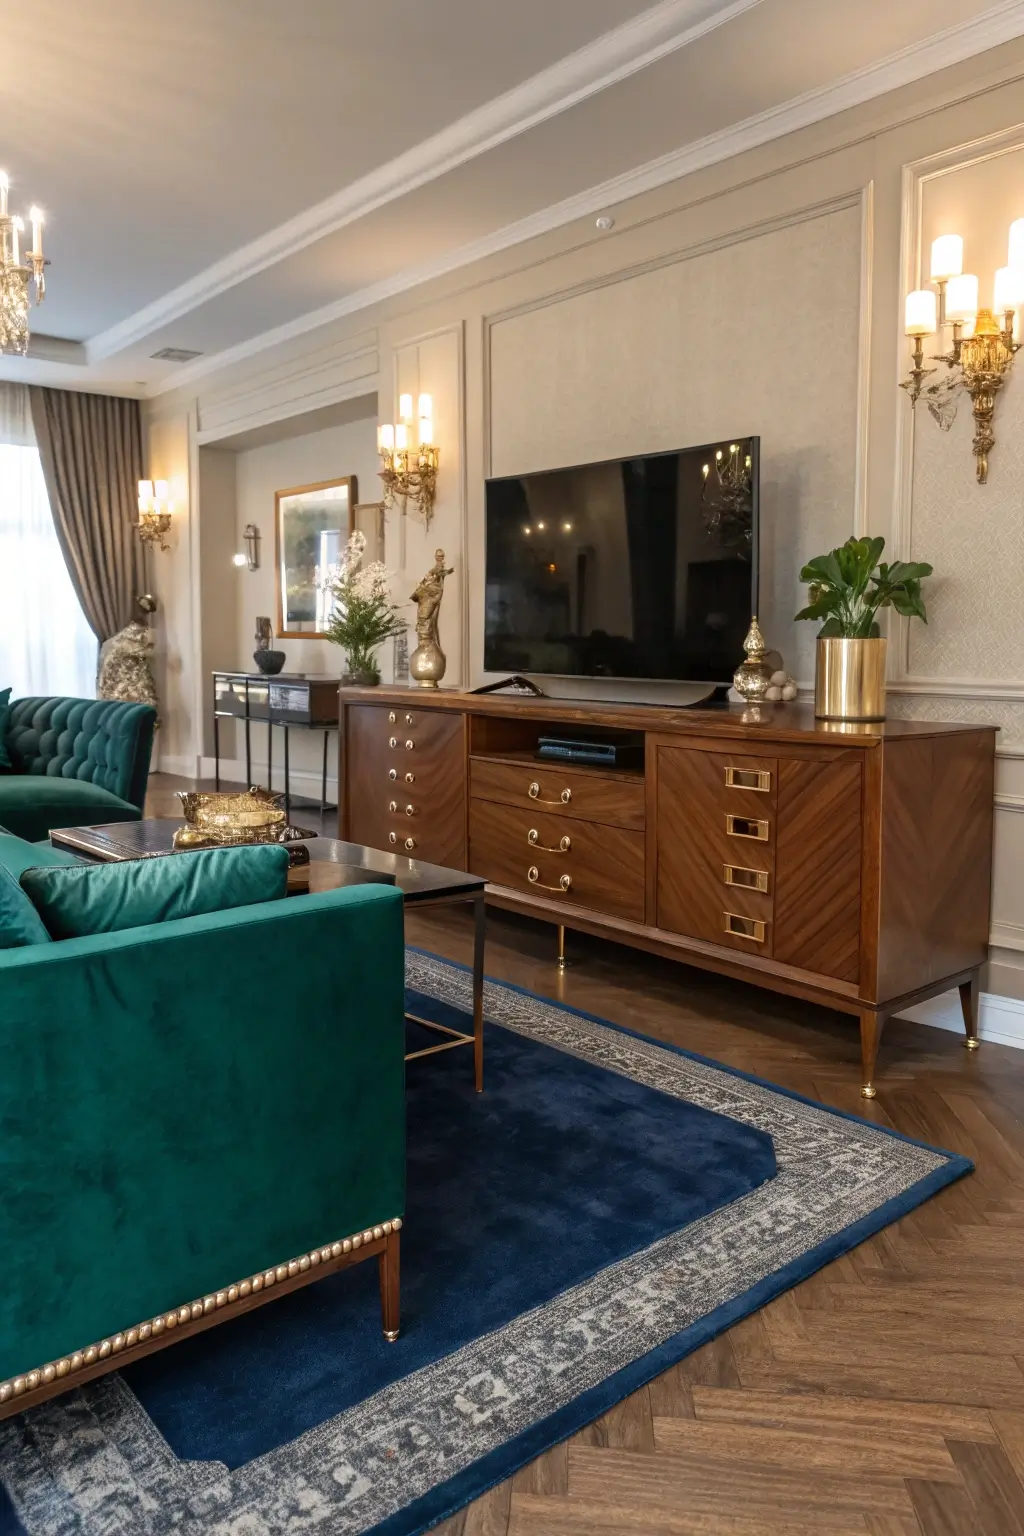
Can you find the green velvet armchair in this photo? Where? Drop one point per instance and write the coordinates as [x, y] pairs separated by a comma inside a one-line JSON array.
[[195, 1117], [74, 761]]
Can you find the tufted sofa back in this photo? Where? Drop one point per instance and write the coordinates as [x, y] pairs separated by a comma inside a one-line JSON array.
[[104, 741]]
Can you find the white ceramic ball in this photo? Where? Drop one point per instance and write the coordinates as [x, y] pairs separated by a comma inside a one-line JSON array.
[[779, 679], [790, 691], [773, 693]]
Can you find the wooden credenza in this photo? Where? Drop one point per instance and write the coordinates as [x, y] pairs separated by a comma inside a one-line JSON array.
[[846, 864]]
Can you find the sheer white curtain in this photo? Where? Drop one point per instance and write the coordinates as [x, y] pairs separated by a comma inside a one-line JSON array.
[[46, 645]]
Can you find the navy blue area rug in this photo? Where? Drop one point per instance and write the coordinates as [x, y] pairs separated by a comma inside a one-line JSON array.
[[605, 1207]]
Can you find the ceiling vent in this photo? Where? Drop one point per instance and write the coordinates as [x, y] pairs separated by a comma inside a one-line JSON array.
[[174, 355]]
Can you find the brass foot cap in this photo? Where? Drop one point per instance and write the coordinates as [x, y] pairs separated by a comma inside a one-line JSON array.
[[391, 1334], [971, 1043], [868, 1091]]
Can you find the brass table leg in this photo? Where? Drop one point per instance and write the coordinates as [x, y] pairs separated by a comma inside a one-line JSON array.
[[562, 961]]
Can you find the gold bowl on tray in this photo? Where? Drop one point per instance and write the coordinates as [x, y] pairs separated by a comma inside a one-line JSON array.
[[215, 820]]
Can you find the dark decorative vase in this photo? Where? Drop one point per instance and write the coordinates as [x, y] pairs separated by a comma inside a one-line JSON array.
[[269, 662]]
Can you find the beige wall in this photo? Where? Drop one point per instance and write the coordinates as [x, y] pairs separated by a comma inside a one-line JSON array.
[[761, 295]]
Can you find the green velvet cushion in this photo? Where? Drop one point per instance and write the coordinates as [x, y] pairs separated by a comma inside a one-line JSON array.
[[20, 923], [105, 898], [32, 803], [5, 710]]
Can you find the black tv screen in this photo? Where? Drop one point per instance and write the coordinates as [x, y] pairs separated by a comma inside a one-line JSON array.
[[632, 568]]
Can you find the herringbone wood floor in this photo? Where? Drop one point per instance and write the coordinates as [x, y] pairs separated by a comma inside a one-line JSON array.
[[885, 1395]]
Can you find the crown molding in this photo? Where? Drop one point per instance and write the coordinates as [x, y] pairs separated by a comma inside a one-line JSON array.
[[954, 45], [655, 33]]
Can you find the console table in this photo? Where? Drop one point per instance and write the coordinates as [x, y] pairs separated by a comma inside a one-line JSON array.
[[288, 699], [849, 865]]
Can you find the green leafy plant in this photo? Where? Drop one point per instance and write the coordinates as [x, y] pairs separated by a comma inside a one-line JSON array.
[[363, 616], [849, 585]]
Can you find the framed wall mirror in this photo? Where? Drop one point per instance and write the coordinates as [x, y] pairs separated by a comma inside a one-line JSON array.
[[368, 519], [311, 528]]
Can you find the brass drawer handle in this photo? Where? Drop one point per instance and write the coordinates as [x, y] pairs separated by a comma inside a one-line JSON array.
[[534, 794], [410, 778], [409, 720], [533, 875], [750, 879], [758, 779], [410, 810], [392, 805], [392, 717], [409, 745], [392, 837], [533, 838], [392, 741], [744, 927], [746, 826], [410, 843], [392, 774]]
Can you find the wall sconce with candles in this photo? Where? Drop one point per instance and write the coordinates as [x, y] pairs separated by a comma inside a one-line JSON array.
[[250, 559], [154, 512], [982, 350], [409, 471]]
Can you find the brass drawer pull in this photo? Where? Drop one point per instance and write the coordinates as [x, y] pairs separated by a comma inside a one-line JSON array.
[[392, 774], [750, 879], [533, 838], [758, 779], [392, 806], [392, 717], [410, 810], [533, 875], [410, 778], [410, 843], [746, 826], [392, 741], [744, 927], [409, 745], [534, 794], [392, 837], [408, 719]]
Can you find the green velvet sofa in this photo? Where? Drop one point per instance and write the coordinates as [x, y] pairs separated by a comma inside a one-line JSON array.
[[74, 762], [195, 1117]]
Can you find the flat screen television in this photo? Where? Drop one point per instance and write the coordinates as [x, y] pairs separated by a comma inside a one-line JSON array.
[[632, 568]]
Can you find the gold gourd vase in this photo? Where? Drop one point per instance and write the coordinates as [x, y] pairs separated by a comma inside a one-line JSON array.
[[849, 679]]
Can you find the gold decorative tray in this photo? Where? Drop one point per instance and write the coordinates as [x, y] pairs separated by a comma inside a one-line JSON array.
[[218, 820]]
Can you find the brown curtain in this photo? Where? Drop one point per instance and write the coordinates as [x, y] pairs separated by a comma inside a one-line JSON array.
[[91, 452]]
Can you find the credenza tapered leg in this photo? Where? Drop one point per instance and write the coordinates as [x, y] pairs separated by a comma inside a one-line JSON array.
[[562, 962], [871, 1025], [969, 995]]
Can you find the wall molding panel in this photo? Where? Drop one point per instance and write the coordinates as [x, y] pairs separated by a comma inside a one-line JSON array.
[[343, 370]]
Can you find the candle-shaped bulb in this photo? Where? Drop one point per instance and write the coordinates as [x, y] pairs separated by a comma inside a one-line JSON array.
[[405, 408], [1009, 289], [36, 216], [145, 495], [426, 405], [386, 439], [160, 491], [426, 431], [947, 258], [706, 470], [962, 297], [402, 436], [718, 455], [1015, 255], [920, 313], [19, 225]]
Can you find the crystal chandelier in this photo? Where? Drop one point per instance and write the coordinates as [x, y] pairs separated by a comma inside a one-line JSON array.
[[18, 271]]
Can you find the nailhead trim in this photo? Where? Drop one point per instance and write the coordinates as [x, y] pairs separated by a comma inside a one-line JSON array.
[[69, 1365]]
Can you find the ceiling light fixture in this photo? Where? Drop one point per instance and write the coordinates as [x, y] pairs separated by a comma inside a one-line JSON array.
[[18, 272], [605, 222]]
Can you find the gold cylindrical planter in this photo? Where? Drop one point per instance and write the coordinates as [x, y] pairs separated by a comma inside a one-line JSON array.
[[849, 683]]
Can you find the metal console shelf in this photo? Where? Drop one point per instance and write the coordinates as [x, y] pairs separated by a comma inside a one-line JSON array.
[[290, 700]]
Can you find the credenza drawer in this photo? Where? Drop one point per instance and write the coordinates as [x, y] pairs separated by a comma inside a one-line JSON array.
[[614, 800], [406, 782], [559, 857]]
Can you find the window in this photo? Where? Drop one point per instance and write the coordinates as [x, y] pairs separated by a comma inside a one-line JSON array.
[[46, 644]]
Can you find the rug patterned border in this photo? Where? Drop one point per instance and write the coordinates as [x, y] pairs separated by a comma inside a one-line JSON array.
[[92, 1463]]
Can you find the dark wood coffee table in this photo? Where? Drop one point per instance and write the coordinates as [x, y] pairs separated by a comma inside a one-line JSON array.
[[332, 864]]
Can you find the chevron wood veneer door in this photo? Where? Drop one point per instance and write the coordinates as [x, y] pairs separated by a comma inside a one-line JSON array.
[[818, 865]]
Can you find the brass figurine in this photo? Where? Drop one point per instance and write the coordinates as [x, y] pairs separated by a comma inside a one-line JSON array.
[[427, 662], [753, 677]]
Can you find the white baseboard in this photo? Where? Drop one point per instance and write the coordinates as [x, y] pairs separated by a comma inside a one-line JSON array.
[[1000, 1019], [302, 781]]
